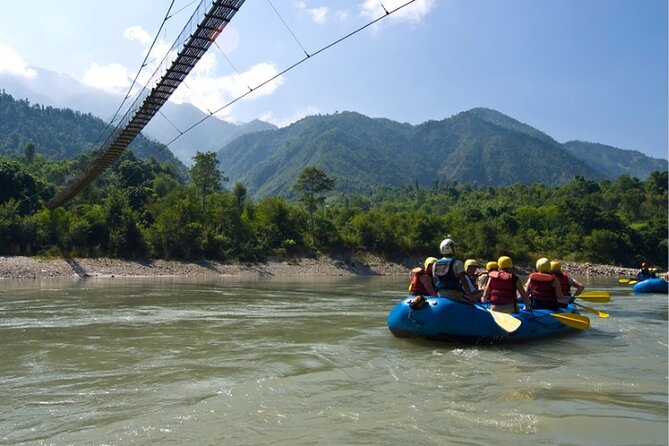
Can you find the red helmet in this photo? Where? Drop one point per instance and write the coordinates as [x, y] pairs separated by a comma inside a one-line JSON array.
[[644, 264]]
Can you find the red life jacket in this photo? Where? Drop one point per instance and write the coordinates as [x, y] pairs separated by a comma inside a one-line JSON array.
[[563, 278], [502, 286], [542, 288], [416, 288]]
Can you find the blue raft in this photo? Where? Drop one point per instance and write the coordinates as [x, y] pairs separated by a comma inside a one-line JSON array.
[[446, 320], [651, 286]]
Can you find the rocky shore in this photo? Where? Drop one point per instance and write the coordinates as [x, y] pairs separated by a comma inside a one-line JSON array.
[[40, 268]]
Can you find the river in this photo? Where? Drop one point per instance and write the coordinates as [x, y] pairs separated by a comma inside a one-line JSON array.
[[228, 362]]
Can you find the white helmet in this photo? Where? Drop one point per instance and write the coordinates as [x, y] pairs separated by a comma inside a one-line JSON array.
[[447, 246]]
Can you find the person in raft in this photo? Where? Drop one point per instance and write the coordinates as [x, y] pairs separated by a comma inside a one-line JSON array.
[[471, 266], [643, 273], [502, 287], [421, 279], [543, 287], [449, 276], [483, 277], [566, 282]]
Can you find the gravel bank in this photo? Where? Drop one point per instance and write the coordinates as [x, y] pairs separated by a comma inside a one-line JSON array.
[[38, 268]]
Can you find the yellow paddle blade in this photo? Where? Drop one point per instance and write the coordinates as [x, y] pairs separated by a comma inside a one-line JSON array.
[[593, 310], [595, 293], [505, 321], [632, 282], [623, 280], [596, 299], [573, 320], [595, 296]]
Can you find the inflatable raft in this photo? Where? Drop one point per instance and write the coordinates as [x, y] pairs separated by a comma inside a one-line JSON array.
[[651, 286], [446, 320]]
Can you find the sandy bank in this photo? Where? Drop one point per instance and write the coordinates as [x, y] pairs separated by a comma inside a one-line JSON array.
[[38, 268]]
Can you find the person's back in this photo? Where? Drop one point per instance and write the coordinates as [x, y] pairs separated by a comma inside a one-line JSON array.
[[449, 275], [566, 283], [445, 273], [421, 279], [543, 287], [502, 288]]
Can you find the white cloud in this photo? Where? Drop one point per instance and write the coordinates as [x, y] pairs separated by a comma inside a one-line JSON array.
[[112, 78], [318, 15], [137, 33], [202, 88], [286, 121], [12, 63], [410, 13], [228, 40], [341, 15], [205, 66], [322, 14], [209, 93]]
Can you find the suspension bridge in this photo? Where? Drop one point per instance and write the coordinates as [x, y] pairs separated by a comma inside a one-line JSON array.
[[201, 30]]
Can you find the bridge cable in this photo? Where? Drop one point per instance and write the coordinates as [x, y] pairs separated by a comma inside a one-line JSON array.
[[288, 27], [294, 65], [141, 68], [270, 79], [196, 37]]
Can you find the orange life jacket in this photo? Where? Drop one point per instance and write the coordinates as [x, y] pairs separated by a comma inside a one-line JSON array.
[[416, 288], [542, 288], [563, 278], [502, 286]]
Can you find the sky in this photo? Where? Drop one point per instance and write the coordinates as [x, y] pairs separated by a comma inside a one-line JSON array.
[[590, 70]]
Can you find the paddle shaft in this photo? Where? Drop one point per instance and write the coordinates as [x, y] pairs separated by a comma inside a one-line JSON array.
[[601, 314]]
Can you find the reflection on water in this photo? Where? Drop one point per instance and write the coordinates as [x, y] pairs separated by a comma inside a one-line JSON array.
[[172, 361]]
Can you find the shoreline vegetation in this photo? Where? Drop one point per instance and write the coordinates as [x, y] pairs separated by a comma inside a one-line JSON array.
[[21, 267]]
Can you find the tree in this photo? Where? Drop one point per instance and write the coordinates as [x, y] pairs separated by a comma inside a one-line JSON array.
[[205, 175], [29, 152], [18, 184], [311, 183]]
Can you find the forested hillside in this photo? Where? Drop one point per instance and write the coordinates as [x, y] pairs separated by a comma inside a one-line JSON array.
[[62, 134], [614, 162], [140, 209], [479, 147]]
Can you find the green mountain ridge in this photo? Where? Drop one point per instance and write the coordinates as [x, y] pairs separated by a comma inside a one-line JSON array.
[[60, 134], [615, 161], [480, 147]]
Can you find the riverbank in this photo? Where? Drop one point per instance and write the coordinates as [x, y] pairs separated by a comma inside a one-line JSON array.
[[39, 268]]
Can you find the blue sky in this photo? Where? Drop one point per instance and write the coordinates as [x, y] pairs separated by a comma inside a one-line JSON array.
[[592, 70]]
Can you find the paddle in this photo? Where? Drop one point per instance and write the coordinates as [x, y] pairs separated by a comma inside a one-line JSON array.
[[593, 311], [595, 296], [623, 280], [573, 320], [505, 321], [632, 282]]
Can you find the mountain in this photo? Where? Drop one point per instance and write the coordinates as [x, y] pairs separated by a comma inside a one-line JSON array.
[[477, 151], [53, 89], [502, 120], [209, 136], [480, 146], [614, 162], [50, 88], [361, 152], [610, 161], [63, 133]]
